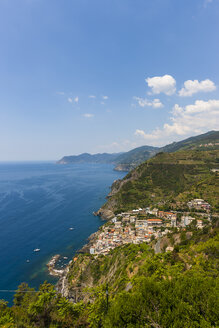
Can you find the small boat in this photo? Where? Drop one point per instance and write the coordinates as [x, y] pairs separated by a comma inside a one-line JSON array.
[[65, 258], [28, 261], [71, 228], [36, 250]]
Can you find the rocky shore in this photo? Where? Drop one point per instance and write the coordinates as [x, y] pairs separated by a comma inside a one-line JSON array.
[[62, 285], [105, 214], [51, 266], [86, 247]]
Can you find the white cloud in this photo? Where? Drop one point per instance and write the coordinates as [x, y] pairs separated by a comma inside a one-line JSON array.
[[70, 100], [192, 119], [92, 96], [148, 136], [162, 84], [102, 103], [192, 87], [203, 106], [88, 115], [177, 110], [123, 145], [61, 93], [155, 103], [105, 97]]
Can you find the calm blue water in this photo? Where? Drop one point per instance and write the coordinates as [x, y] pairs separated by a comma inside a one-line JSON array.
[[39, 202]]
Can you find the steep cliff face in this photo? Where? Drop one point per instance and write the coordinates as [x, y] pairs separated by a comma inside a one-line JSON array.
[[87, 271]]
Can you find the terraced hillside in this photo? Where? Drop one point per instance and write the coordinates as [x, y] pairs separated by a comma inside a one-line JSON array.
[[168, 178]]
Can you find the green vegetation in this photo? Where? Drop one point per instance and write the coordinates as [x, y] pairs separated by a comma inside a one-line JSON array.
[[45, 308], [169, 178], [135, 157], [173, 289], [129, 160], [206, 141], [132, 286]]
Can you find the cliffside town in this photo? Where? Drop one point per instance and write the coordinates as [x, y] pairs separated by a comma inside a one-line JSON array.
[[144, 225]]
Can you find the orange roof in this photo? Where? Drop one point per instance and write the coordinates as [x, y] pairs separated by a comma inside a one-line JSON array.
[[169, 213], [156, 220]]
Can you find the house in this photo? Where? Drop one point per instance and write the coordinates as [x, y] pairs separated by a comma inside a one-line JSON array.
[[132, 219], [206, 206], [141, 223], [186, 220], [170, 215], [118, 224], [199, 224], [173, 222], [92, 250], [199, 204], [154, 222], [154, 211], [161, 214]]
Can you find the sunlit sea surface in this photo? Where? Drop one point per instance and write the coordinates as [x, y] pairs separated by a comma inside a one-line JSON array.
[[39, 202]]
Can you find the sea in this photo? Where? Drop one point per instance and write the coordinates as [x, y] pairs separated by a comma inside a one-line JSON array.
[[40, 203]]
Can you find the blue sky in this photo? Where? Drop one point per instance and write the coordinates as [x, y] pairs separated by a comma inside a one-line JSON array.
[[105, 75]]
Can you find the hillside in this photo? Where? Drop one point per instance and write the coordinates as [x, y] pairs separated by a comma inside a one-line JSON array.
[[129, 160], [209, 141], [168, 178], [140, 284], [88, 158], [122, 161], [144, 289], [134, 157]]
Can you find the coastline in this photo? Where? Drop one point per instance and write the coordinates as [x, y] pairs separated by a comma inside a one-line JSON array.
[[62, 285]]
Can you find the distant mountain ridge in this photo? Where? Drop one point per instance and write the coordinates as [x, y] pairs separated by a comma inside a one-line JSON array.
[[88, 158], [123, 161], [129, 160]]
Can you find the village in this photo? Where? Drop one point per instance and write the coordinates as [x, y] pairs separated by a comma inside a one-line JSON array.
[[144, 225]]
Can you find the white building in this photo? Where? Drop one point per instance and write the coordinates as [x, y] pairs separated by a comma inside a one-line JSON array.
[[186, 220]]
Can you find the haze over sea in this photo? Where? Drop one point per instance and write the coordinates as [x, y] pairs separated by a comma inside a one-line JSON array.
[[39, 202]]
